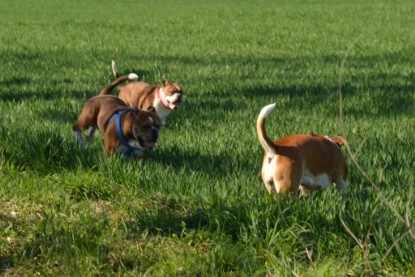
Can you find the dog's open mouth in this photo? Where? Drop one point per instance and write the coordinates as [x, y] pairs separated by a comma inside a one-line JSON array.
[[150, 144], [174, 101], [147, 144], [174, 105]]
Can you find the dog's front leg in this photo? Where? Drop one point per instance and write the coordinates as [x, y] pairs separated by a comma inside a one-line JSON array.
[[138, 153]]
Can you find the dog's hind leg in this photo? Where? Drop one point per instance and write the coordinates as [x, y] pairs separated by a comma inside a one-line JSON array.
[[269, 186], [77, 129], [304, 191], [341, 185], [91, 132], [77, 132], [78, 137]]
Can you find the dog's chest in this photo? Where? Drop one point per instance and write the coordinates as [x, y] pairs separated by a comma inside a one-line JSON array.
[[161, 111], [133, 143]]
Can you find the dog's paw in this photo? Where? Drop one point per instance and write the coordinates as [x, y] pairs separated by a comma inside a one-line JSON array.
[[138, 153], [78, 138]]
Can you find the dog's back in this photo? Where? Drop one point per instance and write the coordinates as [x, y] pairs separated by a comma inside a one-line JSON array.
[[97, 111], [139, 94]]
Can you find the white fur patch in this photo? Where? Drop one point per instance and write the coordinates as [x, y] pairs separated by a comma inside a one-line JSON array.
[[173, 98], [132, 76], [269, 167], [151, 119], [332, 140], [265, 111], [318, 182], [161, 111], [114, 68], [162, 92], [134, 143]]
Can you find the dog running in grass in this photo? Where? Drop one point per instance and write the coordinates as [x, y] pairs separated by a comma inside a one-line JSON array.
[[125, 129], [300, 162], [164, 98]]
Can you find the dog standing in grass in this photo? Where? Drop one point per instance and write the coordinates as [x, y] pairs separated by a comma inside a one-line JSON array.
[[164, 99], [305, 162], [125, 129]]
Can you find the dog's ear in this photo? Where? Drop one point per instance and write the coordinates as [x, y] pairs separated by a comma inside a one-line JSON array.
[[135, 112], [178, 87], [340, 141], [166, 82], [152, 109]]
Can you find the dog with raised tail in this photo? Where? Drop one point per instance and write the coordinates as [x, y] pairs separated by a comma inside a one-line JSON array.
[[300, 162], [125, 129], [164, 99]]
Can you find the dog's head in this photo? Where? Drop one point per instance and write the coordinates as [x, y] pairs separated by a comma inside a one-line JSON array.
[[173, 94], [146, 127]]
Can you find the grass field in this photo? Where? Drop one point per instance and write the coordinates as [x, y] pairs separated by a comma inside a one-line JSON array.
[[196, 206]]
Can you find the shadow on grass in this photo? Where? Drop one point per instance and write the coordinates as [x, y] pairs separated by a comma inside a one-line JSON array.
[[57, 114], [6, 262], [48, 147], [48, 151], [168, 215], [221, 164], [392, 97], [17, 95], [279, 214], [19, 89]]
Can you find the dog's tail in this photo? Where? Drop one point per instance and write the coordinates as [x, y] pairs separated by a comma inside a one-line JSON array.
[[114, 70], [108, 89], [264, 140]]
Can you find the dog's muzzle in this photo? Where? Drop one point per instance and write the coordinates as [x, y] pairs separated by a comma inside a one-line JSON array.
[[152, 141], [175, 100]]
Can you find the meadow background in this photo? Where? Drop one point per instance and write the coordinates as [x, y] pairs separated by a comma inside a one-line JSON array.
[[196, 206]]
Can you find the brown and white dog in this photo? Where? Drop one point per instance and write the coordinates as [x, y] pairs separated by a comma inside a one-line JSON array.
[[305, 162], [137, 129], [163, 98]]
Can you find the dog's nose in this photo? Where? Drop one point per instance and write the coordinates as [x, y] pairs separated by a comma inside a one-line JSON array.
[[154, 134]]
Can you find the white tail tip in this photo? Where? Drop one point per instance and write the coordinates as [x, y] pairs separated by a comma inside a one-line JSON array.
[[267, 110], [113, 68], [132, 76]]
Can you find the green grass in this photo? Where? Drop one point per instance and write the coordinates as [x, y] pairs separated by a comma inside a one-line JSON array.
[[196, 205]]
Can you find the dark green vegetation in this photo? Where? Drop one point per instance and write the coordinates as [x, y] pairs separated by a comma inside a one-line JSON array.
[[197, 205]]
